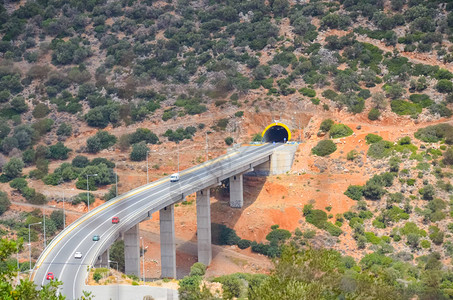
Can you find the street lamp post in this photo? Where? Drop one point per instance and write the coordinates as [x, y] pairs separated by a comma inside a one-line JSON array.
[[178, 157], [116, 181], [64, 213], [29, 242], [206, 146], [88, 190], [44, 225], [147, 167]]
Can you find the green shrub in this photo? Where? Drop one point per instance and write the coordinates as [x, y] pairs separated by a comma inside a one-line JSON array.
[[402, 107], [40, 111], [13, 168], [329, 94], [428, 192], [244, 244], [372, 138], [308, 92], [102, 140], [64, 129], [80, 161], [139, 152], [228, 236], [97, 276], [324, 148], [197, 269], [355, 192], [374, 114], [340, 130], [333, 229], [180, 134], [421, 99], [4, 202], [143, 134], [433, 133], [229, 140], [326, 125], [373, 191], [352, 155], [58, 151], [316, 217], [444, 86], [278, 235], [425, 244], [380, 149]]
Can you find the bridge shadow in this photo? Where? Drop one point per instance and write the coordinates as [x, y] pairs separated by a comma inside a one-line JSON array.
[[222, 213]]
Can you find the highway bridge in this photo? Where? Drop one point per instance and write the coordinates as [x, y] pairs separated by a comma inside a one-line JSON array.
[[138, 205]]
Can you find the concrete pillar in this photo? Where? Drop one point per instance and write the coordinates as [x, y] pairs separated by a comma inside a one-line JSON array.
[[236, 191], [204, 227], [167, 241], [132, 251], [103, 260]]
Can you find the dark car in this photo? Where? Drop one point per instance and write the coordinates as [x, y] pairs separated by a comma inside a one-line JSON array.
[[115, 220], [50, 276]]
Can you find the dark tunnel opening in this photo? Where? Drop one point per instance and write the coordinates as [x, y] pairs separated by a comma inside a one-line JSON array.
[[277, 134]]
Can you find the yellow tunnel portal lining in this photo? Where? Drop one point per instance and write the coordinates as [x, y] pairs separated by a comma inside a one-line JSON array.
[[277, 124]]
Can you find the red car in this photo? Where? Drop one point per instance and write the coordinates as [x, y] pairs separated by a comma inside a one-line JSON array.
[[50, 276], [115, 220]]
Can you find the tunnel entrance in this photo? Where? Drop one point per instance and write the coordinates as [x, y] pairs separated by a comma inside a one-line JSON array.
[[276, 132]]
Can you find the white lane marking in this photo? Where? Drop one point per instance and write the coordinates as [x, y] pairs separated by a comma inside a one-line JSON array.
[[184, 187], [217, 167], [129, 194]]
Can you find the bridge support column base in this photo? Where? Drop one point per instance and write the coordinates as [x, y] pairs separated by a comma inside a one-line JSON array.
[[167, 242], [103, 260], [236, 191], [132, 251], [204, 227]]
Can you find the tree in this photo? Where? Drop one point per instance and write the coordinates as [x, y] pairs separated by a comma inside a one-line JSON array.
[[59, 151], [378, 100], [413, 240], [57, 217], [93, 144], [374, 114], [428, 192], [13, 168], [64, 129], [444, 86], [229, 140], [293, 275], [4, 202], [25, 289], [117, 254], [324, 148], [139, 151], [80, 161], [326, 125], [143, 134], [197, 269], [18, 104], [448, 156]]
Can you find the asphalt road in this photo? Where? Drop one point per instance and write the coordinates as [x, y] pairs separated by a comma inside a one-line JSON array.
[[131, 208]]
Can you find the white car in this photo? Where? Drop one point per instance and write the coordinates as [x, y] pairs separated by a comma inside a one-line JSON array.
[[174, 177], [78, 255]]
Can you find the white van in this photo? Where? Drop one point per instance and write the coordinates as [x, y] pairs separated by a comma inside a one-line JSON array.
[[174, 177]]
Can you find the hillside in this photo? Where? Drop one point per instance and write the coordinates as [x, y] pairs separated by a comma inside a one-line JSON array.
[[96, 87]]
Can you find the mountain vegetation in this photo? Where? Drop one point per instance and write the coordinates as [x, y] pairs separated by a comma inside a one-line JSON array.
[[71, 72]]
